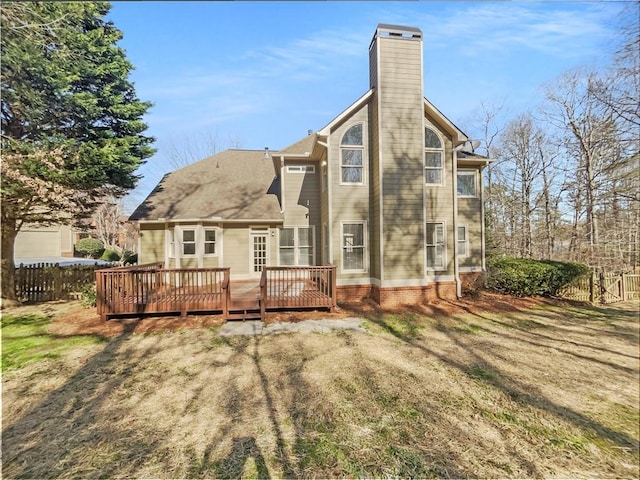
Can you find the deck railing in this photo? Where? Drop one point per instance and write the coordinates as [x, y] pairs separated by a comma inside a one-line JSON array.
[[298, 287], [150, 289]]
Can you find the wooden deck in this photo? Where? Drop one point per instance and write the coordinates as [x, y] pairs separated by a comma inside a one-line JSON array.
[[150, 289]]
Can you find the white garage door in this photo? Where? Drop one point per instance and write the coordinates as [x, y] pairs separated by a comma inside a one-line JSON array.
[[37, 243]]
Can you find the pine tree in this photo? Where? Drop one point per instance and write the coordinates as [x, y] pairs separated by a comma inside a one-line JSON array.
[[72, 128]]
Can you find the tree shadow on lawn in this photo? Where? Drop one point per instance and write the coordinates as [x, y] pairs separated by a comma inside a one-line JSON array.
[[59, 433], [517, 391]]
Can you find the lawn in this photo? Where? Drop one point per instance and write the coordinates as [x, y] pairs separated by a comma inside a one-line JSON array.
[[547, 391]]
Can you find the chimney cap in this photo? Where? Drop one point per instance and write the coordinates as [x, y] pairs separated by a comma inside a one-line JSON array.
[[398, 31]]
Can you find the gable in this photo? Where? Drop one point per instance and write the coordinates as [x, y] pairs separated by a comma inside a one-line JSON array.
[[444, 124]]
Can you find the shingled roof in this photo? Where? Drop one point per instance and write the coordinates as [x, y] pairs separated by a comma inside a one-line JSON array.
[[231, 185], [301, 147]]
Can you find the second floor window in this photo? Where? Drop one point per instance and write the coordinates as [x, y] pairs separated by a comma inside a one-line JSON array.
[[433, 158], [352, 156], [467, 183]]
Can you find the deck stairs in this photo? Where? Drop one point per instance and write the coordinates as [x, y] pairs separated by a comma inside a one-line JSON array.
[[244, 309]]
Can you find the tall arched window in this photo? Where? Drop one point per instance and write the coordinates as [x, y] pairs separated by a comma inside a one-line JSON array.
[[433, 158], [352, 156]]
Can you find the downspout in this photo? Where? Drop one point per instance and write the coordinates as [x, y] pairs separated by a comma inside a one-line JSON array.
[[329, 203], [454, 183], [282, 183], [482, 220]]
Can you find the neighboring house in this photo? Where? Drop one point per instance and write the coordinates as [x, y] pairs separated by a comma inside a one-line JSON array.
[[384, 192], [44, 241]]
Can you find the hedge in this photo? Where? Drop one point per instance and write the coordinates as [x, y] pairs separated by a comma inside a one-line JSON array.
[[89, 247], [523, 277]]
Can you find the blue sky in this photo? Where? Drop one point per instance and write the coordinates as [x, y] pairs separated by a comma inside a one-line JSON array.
[[260, 74]]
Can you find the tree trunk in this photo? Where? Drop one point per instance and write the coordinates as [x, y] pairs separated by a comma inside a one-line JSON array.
[[8, 288]]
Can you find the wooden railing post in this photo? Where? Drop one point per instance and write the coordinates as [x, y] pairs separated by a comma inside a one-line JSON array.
[[226, 294], [623, 294], [100, 300], [592, 287], [334, 293], [263, 294]]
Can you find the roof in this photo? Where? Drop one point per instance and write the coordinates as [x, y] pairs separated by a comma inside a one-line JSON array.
[[231, 185], [458, 135], [300, 148]]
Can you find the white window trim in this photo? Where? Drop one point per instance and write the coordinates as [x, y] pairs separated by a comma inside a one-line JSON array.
[[180, 231], [301, 169], [424, 159], [354, 147], [216, 243], [296, 244], [365, 247], [444, 244], [177, 244], [474, 173], [466, 242]]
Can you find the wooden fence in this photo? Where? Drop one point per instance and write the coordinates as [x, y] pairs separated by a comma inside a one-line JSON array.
[[603, 288], [44, 282]]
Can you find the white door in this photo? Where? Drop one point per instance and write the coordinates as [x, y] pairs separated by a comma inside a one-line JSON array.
[[260, 251]]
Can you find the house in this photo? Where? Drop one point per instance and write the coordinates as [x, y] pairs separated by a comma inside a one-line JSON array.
[[385, 192], [37, 241]]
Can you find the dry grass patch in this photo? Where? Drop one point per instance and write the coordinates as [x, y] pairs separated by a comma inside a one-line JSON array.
[[528, 392]]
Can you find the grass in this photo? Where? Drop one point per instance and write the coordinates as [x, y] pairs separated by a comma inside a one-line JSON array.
[[546, 392], [25, 339]]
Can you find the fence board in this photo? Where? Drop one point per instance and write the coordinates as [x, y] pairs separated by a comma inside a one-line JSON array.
[[43, 282], [603, 288]]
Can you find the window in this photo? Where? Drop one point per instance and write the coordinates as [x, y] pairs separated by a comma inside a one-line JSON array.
[[305, 246], [188, 242], [467, 183], [301, 169], [435, 246], [351, 156], [296, 246], [353, 247], [433, 155], [209, 242], [462, 241]]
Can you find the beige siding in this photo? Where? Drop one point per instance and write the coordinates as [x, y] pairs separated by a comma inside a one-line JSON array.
[[374, 191], [322, 255], [348, 202], [402, 152], [439, 199], [152, 243], [66, 241], [470, 214], [303, 200], [236, 249]]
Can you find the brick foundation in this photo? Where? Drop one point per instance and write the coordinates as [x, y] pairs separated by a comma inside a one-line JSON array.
[[394, 296], [353, 293]]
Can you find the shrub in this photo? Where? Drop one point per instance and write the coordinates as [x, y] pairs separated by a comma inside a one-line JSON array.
[[89, 247], [129, 258], [525, 277], [110, 256], [88, 295]]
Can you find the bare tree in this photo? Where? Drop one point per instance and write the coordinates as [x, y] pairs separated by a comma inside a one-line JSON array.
[[109, 223], [523, 160], [189, 148]]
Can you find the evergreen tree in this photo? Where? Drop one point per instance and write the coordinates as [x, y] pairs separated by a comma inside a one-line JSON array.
[[72, 128]]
